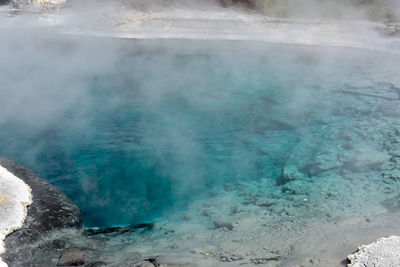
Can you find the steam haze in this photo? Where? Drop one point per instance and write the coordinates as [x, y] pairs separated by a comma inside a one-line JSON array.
[[132, 129]]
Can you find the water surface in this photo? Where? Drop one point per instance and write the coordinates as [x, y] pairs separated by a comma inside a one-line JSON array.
[[134, 131]]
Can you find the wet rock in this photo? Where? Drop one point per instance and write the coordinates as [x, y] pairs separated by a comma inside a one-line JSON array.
[[173, 265], [58, 244], [264, 203], [312, 169], [55, 245], [50, 210], [71, 257], [391, 176], [144, 264], [246, 3], [162, 261], [118, 230], [288, 174], [177, 264], [265, 260], [186, 218], [205, 213], [224, 225], [96, 264], [229, 257], [390, 30]]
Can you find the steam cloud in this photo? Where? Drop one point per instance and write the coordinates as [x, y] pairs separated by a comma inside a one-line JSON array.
[[51, 85]]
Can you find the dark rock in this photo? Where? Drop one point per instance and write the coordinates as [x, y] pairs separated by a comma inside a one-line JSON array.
[[223, 225], [265, 260], [164, 261], [345, 262], [283, 178], [391, 30], [118, 230], [153, 261], [50, 210], [4, 2], [71, 257], [55, 245], [96, 264], [313, 169], [245, 3], [229, 257], [263, 203], [59, 244], [177, 264]]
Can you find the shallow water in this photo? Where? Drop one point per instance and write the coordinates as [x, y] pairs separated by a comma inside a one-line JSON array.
[[137, 131]]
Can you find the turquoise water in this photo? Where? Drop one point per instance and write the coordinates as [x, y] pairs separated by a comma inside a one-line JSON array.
[[133, 131]]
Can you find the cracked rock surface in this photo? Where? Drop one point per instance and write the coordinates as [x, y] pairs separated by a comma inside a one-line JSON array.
[[385, 252]]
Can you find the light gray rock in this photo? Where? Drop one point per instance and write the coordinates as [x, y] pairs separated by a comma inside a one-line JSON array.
[[385, 252], [71, 257]]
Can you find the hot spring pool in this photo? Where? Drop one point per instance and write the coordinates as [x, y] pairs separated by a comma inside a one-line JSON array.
[[139, 131]]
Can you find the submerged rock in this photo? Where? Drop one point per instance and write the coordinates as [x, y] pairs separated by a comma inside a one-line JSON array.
[[265, 260], [288, 174], [119, 230], [223, 225]]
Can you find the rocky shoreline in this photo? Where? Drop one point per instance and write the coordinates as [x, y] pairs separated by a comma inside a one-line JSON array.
[[52, 235], [50, 210]]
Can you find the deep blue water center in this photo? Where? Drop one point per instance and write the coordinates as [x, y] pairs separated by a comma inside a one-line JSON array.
[[133, 130]]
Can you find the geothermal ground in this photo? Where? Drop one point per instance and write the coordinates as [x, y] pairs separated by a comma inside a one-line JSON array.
[[336, 125]]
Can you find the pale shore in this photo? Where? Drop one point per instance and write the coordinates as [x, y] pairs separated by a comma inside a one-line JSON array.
[[320, 241], [15, 196]]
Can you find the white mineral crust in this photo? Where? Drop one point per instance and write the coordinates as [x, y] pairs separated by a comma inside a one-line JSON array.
[[385, 252], [15, 196]]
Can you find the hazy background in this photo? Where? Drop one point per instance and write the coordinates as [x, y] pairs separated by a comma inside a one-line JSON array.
[[382, 10], [376, 10]]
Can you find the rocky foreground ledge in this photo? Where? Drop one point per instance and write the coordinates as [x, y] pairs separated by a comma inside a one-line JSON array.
[[50, 210], [385, 252], [52, 235]]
